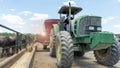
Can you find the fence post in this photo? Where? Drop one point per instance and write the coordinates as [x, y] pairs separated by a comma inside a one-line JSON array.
[[17, 34]]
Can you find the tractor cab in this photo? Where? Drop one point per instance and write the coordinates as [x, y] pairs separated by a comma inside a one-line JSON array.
[[69, 11]]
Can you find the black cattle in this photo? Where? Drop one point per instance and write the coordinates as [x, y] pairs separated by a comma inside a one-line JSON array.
[[12, 44], [6, 43], [24, 43]]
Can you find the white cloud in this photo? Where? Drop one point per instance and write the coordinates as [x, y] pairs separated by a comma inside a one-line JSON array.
[[1, 30], [106, 20], [35, 25], [4, 30], [12, 10], [26, 13], [116, 29], [13, 19], [72, 3], [33, 29], [118, 0], [117, 26], [38, 16]]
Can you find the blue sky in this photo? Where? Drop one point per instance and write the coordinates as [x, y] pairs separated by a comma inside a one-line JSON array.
[[27, 16]]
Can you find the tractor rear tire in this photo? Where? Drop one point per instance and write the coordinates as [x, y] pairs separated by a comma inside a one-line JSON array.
[[109, 56], [53, 46], [64, 50]]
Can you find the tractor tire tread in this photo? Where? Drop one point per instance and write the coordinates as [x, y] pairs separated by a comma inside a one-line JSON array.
[[113, 57], [67, 50]]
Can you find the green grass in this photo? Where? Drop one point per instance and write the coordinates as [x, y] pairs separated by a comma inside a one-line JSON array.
[[7, 34]]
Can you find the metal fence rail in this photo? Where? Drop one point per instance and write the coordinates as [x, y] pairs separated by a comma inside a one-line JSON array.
[[9, 28], [18, 36]]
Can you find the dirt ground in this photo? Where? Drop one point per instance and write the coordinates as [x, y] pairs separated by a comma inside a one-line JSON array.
[[43, 60], [2, 58]]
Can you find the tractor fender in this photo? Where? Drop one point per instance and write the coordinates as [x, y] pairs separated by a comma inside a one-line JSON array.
[[55, 29]]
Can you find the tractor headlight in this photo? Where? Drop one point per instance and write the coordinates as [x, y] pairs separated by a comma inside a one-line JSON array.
[[99, 28], [91, 28]]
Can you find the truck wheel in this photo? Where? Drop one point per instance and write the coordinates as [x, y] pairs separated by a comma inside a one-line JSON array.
[[44, 46], [52, 44], [109, 56], [64, 50]]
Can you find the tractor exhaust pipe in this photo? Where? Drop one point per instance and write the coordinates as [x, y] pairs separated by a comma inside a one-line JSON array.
[[69, 16]]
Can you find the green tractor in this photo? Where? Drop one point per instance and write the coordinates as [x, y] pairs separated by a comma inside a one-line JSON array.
[[84, 34]]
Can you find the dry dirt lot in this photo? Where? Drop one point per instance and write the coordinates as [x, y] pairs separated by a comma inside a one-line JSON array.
[[2, 58], [43, 60]]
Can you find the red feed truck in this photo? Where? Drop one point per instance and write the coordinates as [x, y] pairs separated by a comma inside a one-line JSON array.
[[44, 37], [40, 38], [48, 25]]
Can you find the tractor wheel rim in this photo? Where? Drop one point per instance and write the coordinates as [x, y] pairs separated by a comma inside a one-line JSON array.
[[50, 42], [58, 50]]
